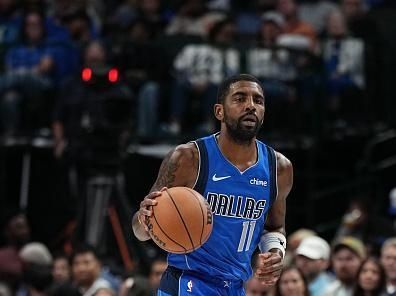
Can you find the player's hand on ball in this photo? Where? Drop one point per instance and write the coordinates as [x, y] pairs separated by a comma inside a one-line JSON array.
[[269, 268], [146, 205]]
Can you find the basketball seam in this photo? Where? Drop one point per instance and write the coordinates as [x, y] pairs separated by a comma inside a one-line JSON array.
[[203, 215], [159, 226], [181, 217]]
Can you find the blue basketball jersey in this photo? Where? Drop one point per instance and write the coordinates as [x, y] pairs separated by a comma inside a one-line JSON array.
[[239, 202]]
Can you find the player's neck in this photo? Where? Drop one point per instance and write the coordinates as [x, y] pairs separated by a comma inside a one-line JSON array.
[[241, 155]]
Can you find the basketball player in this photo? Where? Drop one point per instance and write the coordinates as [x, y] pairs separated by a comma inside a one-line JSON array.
[[244, 181]]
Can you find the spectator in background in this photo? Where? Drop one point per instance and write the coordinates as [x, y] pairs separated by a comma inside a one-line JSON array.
[[29, 66], [86, 271], [157, 269], [37, 278], [150, 12], [371, 279], [347, 255], [17, 234], [297, 33], [312, 258], [80, 27], [291, 282], [361, 222], [355, 13], [274, 66], [199, 68], [293, 241], [192, 19], [388, 260], [360, 25], [61, 269], [10, 21], [344, 66], [75, 94], [145, 68], [316, 12]]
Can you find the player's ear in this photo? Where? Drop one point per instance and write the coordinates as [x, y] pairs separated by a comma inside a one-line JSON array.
[[218, 111]]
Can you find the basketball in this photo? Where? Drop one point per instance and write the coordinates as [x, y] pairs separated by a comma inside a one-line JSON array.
[[181, 221]]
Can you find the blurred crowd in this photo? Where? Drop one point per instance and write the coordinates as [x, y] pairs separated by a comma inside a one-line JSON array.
[[360, 260], [159, 63]]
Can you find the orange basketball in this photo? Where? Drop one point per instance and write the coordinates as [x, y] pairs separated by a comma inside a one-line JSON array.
[[181, 221]]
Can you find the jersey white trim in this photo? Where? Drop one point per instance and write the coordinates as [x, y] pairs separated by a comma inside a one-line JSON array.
[[180, 277], [199, 163], [276, 176], [233, 165], [185, 258]]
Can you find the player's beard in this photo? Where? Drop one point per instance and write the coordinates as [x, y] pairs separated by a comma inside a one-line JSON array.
[[238, 131]]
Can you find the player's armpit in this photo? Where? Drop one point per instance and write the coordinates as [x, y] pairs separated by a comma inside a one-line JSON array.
[[179, 168]]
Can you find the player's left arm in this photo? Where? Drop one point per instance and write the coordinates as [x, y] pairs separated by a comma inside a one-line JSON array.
[[273, 241]]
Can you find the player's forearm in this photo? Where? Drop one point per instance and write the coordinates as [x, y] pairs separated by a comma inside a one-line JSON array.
[[138, 229]]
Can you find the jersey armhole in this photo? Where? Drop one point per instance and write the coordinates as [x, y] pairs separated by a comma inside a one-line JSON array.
[[273, 166], [202, 176]]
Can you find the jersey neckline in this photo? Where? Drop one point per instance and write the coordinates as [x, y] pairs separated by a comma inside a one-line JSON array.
[[229, 162]]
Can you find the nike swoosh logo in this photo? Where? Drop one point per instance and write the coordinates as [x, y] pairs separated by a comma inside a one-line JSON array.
[[214, 178]]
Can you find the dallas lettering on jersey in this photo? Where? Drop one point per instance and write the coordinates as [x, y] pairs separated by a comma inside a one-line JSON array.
[[237, 207]]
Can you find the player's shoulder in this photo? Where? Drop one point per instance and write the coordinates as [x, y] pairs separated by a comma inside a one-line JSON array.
[[185, 150], [185, 153], [284, 165]]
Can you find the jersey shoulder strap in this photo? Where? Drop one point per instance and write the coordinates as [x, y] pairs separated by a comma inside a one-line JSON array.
[[273, 174], [203, 167]]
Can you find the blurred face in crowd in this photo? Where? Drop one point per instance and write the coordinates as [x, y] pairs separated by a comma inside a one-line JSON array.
[[85, 269], [95, 54], [369, 276], [34, 28], [269, 32], [336, 26], [226, 34], [157, 269], [18, 230], [61, 270], [388, 260], [291, 283], [352, 8], [150, 6], [287, 7], [346, 265], [310, 267], [255, 288]]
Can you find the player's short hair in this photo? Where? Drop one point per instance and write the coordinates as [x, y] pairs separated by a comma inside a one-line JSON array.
[[225, 85]]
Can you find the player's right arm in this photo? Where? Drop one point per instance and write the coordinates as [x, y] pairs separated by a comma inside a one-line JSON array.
[[179, 168]]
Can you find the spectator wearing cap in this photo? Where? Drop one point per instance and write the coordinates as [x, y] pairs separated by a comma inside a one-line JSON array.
[[388, 260], [37, 264], [293, 241], [312, 258], [347, 255]]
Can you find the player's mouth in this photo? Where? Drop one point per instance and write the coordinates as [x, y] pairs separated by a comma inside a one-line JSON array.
[[250, 120]]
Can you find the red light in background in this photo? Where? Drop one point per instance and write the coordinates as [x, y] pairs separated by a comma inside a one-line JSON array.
[[86, 74], [113, 75]]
